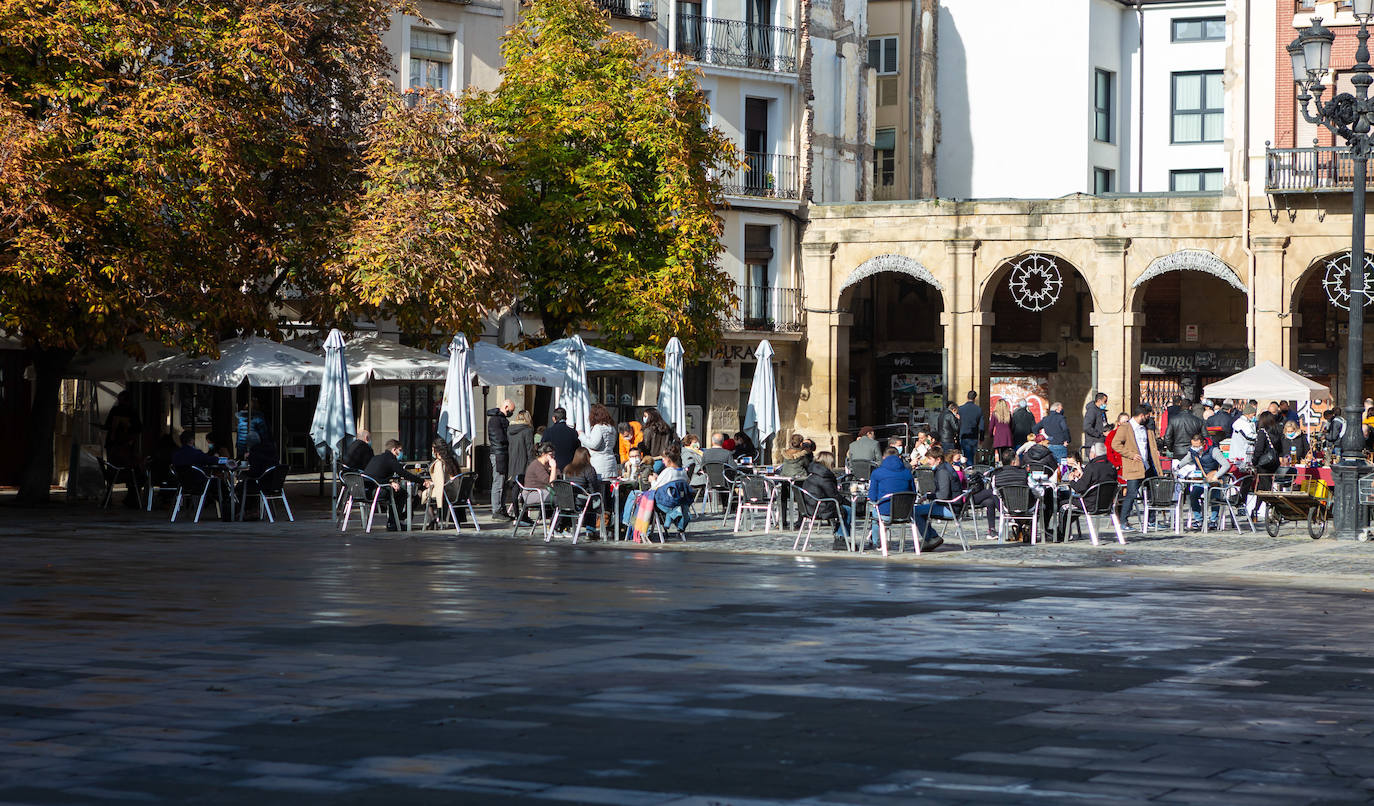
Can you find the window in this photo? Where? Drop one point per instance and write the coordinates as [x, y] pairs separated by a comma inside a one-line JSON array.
[[757, 298], [1102, 105], [1197, 107], [431, 57], [1104, 181], [882, 55], [1205, 179], [1201, 29], [884, 158]]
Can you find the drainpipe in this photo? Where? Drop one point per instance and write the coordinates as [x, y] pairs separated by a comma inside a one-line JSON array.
[[1245, 179], [1140, 101]]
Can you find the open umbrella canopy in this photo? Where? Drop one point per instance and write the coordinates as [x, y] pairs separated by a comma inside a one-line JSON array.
[[457, 423], [497, 367], [598, 360], [1266, 381], [261, 362], [761, 415], [371, 357], [573, 395], [671, 399], [333, 422]]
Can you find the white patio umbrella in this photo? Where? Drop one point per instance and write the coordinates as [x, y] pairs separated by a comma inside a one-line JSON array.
[[497, 367], [333, 423], [555, 354], [261, 362], [572, 396], [761, 415], [456, 419], [671, 403]]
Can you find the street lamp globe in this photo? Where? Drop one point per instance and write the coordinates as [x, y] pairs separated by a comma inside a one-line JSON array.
[[1299, 60], [1316, 48], [1363, 9]]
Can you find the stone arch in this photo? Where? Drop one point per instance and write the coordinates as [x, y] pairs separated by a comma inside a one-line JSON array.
[[1199, 260], [890, 263]]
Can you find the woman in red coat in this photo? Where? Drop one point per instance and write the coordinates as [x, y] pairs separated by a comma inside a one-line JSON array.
[[1113, 456]]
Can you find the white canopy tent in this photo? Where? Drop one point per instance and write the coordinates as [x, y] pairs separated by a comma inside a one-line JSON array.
[[374, 358], [555, 354], [261, 362], [1267, 381]]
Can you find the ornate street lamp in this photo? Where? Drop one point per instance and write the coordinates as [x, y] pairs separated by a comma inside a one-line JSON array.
[[1348, 117]]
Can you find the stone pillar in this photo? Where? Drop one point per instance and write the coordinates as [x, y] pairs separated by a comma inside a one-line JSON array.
[[824, 389], [968, 329], [1116, 328], [1270, 318]]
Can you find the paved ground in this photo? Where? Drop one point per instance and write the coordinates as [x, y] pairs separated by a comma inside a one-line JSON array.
[[234, 663]]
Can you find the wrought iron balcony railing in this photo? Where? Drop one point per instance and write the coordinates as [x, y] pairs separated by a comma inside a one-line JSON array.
[[1316, 169], [735, 43], [766, 308], [630, 9], [764, 176]]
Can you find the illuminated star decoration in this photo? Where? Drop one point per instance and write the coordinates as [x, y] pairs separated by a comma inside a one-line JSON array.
[[1035, 282], [1337, 279]]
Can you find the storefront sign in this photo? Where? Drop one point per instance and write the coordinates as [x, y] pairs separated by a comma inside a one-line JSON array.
[[725, 379], [734, 352], [1176, 362], [923, 363], [1190, 333]]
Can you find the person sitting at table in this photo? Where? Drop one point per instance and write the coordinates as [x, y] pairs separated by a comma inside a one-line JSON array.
[[890, 476], [744, 447], [1202, 462], [671, 471], [262, 457], [188, 455], [443, 467], [1036, 456], [1080, 478], [821, 482], [582, 472], [217, 447], [946, 489], [864, 449], [1009, 474], [796, 461], [359, 451], [692, 454], [629, 435], [922, 445], [385, 468], [1293, 448], [539, 473]]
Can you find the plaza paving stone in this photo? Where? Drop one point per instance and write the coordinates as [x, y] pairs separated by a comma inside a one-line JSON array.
[[147, 662]]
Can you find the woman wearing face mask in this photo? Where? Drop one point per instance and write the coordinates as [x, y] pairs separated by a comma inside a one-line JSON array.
[[1293, 448]]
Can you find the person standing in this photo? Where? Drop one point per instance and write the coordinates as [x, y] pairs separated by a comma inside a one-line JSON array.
[[1138, 444], [658, 435], [122, 431], [562, 437], [1242, 436], [498, 441], [1095, 422], [947, 426], [1178, 435], [521, 436], [602, 442], [972, 425], [1056, 430], [1000, 425], [1022, 424]]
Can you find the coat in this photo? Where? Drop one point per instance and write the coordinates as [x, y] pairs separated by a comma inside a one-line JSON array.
[[890, 476], [564, 441], [821, 482], [601, 441], [521, 446], [864, 449], [1094, 425], [498, 424], [1002, 435], [796, 463], [971, 422], [947, 428], [1179, 435], [1132, 465], [1022, 425], [1056, 427]]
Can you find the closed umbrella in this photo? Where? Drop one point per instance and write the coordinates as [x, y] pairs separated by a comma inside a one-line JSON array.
[[333, 423], [573, 394], [456, 422], [761, 416], [670, 393]]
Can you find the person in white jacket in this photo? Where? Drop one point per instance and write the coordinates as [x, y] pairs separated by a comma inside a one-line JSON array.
[[1242, 436]]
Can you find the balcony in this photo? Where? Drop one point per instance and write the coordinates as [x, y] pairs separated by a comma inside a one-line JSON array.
[[764, 176], [1314, 169], [629, 9], [766, 309], [735, 43]]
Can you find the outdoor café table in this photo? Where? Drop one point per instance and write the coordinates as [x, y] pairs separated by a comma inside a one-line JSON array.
[[612, 507], [228, 474], [858, 490], [1323, 473]]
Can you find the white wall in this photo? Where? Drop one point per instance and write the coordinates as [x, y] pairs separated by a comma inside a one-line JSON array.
[[1105, 22], [1014, 98]]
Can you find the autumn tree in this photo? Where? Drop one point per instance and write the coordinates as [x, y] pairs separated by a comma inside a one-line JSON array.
[[424, 243], [166, 168], [610, 190]]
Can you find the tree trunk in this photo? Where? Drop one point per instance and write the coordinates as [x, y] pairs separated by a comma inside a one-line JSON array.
[[36, 479]]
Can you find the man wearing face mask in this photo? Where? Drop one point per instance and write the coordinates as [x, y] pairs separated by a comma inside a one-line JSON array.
[[1242, 436], [1095, 422]]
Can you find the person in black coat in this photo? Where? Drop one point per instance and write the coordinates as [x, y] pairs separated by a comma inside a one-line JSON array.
[[821, 482], [972, 426], [1095, 422], [1183, 424], [562, 437], [1022, 425], [359, 451], [498, 442], [385, 468], [947, 427]]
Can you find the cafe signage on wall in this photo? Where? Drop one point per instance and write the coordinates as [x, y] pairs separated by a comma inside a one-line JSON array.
[[1182, 362]]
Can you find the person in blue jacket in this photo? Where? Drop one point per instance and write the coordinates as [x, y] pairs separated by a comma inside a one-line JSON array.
[[891, 476]]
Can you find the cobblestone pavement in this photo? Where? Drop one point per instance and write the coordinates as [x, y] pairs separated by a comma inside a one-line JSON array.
[[248, 663]]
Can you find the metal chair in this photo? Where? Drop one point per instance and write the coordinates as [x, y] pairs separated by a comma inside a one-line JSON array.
[[1160, 498], [1099, 499], [1235, 496], [860, 469], [925, 481], [195, 483], [113, 475], [572, 502], [810, 507], [755, 494], [899, 509], [680, 490], [457, 497], [270, 486], [720, 481], [343, 488], [1017, 504], [956, 506], [159, 480], [522, 511], [364, 491]]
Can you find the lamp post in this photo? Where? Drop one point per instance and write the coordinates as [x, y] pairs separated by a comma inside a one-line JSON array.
[[1348, 117]]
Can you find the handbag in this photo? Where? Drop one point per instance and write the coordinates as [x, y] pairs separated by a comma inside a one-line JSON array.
[[1266, 456]]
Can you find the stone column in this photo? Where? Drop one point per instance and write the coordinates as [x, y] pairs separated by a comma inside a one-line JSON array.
[[1116, 329], [824, 388], [968, 329], [1270, 319]]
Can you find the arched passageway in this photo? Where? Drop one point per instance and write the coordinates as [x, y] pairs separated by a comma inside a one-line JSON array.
[[1321, 316]]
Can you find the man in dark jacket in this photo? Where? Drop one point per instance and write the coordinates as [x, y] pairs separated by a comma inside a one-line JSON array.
[[1095, 422], [972, 424], [821, 483], [947, 487], [1056, 428], [1183, 424], [947, 427], [1219, 424], [498, 441], [1022, 425], [890, 476], [359, 451], [385, 468], [562, 437]]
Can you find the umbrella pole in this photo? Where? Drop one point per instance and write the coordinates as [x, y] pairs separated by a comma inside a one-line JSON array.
[[333, 487]]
